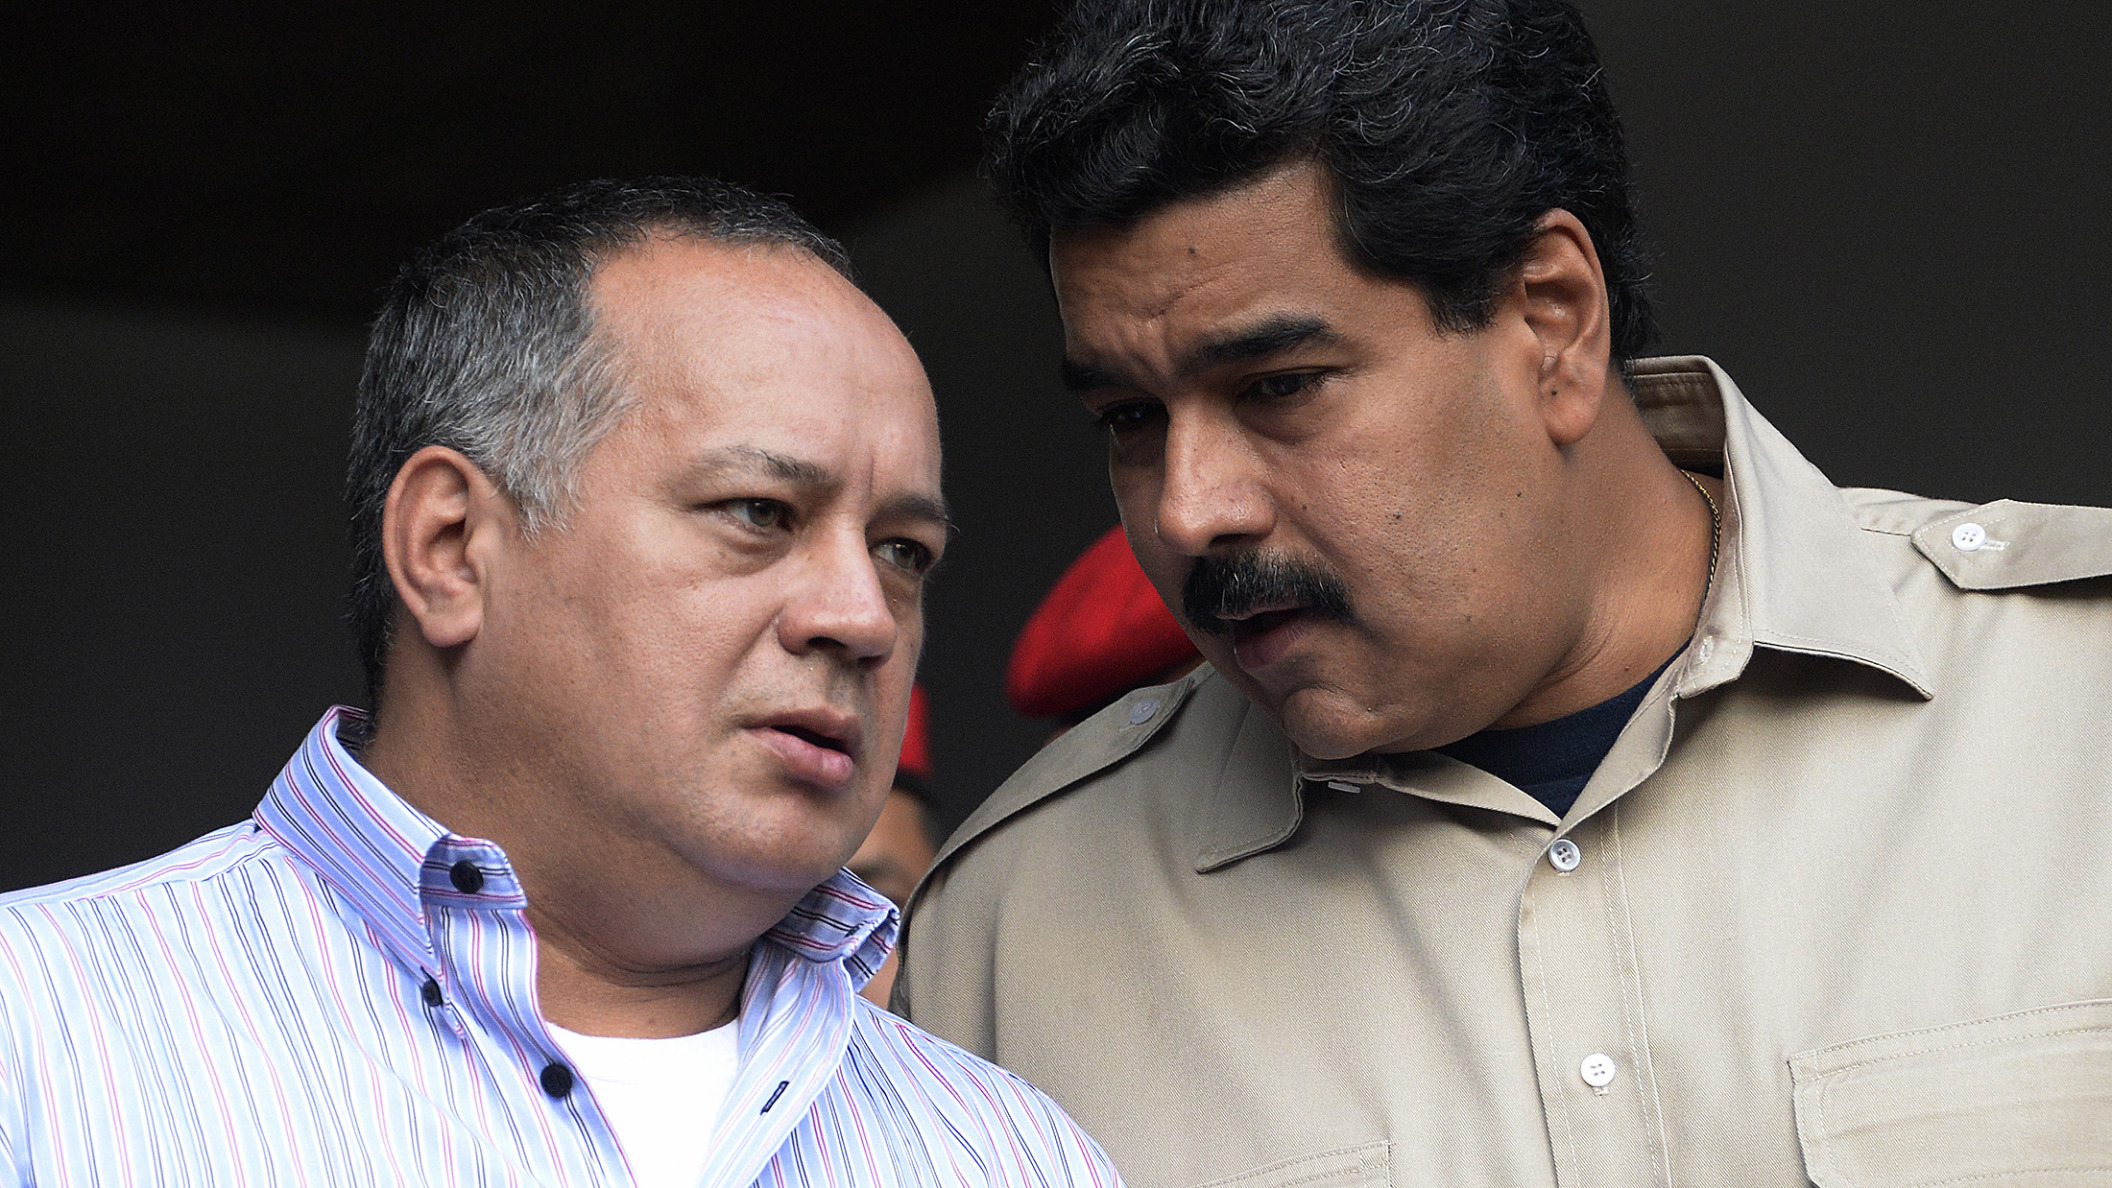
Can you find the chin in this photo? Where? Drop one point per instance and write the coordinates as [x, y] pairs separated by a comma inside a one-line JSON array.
[[1327, 725], [775, 855], [779, 873]]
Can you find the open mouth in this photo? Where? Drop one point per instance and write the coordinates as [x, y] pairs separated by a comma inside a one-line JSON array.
[[1262, 639], [817, 746], [1264, 621], [816, 738]]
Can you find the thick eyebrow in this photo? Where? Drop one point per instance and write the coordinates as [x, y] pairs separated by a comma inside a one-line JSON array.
[[1082, 377], [925, 508], [1270, 336], [797, 471], [813, 476]]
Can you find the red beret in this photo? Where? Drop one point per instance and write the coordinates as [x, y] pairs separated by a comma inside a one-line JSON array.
[[1101, 631], [916, 741]]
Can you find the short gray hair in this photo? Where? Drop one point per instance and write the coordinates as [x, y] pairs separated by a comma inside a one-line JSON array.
[[486, 345]]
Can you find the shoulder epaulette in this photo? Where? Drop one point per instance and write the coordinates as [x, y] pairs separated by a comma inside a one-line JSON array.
[[2007, 545], [1094, 745]]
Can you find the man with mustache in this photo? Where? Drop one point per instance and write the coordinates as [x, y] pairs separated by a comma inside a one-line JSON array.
[[1583, 789], [644, 494]]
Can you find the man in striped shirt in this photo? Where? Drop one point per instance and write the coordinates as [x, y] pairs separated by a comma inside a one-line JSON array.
[[644, 493]]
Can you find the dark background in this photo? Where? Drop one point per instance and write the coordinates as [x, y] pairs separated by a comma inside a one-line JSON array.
[[1888, 220]]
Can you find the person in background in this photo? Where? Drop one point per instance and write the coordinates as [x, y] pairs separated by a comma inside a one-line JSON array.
[[1101, 631], [644, 492], [906, 837], [1584, 789]]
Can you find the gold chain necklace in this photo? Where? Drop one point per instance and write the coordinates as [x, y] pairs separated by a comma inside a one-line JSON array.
[[1715, 523]]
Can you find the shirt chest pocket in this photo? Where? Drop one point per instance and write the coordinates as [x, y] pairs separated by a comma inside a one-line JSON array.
[[1365, 1166], [2006, 1102]]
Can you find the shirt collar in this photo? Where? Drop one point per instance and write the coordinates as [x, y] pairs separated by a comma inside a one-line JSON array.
[[1793, 574], [389, 861], [841, 920], [360, 838]]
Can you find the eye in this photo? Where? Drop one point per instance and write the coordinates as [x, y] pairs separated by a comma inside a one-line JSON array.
[[1284, 385], [906, 555], [1129, 415], [769, 515]]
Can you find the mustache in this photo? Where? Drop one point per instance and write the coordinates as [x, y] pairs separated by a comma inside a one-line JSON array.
[[1235, 585]]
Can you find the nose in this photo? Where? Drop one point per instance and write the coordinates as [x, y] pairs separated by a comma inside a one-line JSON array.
[[1210, 495], [839, 605]]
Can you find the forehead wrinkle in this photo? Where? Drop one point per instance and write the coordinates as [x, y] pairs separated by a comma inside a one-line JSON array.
[[1143, 291]]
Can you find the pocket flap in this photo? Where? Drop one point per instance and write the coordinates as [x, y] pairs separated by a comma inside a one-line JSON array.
[[2023, 1099], [1346, 1167]]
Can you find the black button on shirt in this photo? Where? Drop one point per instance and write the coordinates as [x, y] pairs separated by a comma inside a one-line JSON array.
[[557, 1079], [466, 877]]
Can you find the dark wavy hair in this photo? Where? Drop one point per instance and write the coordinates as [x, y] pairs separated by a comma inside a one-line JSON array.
[[1447, 127]]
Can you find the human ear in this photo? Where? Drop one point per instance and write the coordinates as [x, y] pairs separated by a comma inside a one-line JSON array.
[[441, 515], [1562, 291]]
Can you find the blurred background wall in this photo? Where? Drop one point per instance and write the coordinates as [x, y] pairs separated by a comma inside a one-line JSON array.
[[1887, 219]]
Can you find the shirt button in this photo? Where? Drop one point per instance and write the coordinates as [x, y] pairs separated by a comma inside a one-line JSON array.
[[431, 993], [1598, 1070], [557, 1079], [466, 877], [1564, 855], [1968, 537], [1142, 711]]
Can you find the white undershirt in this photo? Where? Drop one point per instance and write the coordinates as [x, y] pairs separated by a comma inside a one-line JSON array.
[[661, 1096]]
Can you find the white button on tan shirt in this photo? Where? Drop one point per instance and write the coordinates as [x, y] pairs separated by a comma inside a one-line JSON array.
[[1564, 855]]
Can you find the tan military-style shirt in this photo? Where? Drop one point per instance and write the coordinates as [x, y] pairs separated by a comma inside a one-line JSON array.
[[1836, 908]]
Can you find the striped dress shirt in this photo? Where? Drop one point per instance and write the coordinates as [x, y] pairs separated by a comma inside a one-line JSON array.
[[340, 991]]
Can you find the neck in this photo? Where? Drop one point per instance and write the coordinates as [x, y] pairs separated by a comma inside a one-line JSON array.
[[582, 986], [1650, 542], [630, 939]]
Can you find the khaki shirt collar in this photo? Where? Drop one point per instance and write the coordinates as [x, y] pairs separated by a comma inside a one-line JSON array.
[[1795, 572], [1792, 574]]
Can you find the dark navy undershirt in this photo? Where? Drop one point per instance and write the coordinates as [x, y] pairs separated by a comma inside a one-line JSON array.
[[1552, 761]]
